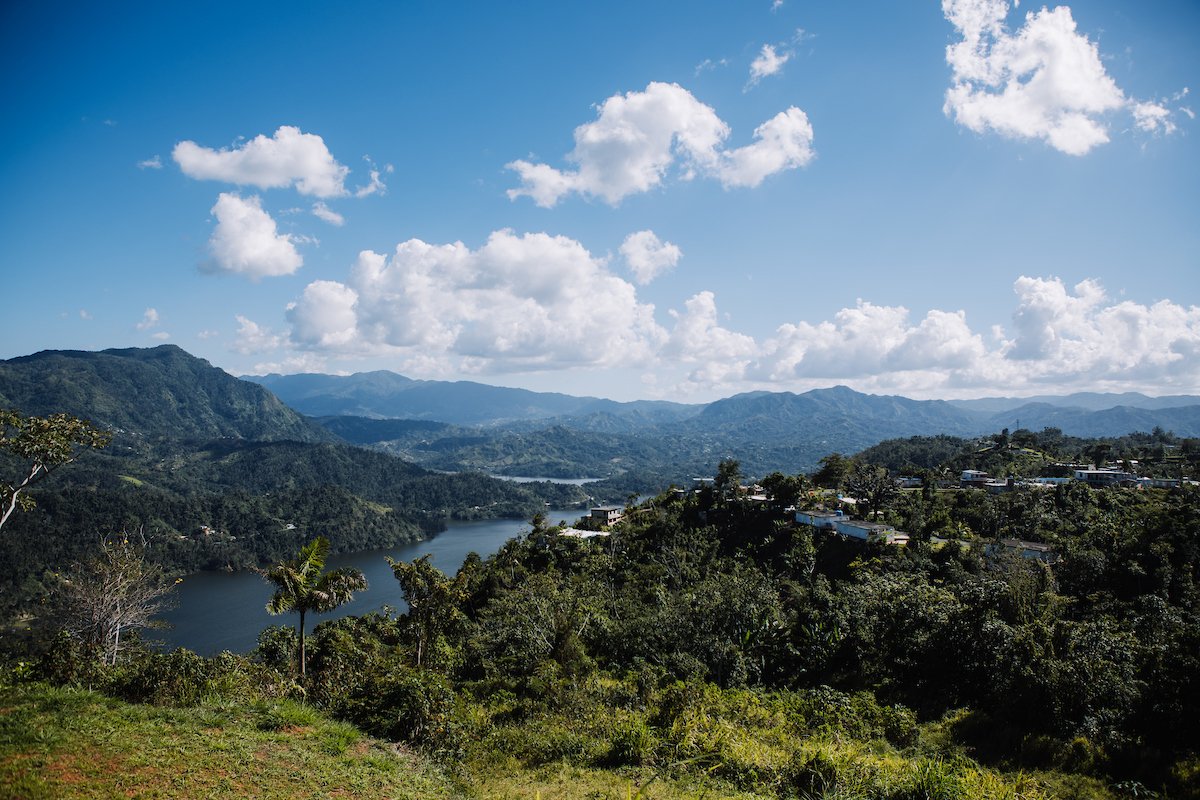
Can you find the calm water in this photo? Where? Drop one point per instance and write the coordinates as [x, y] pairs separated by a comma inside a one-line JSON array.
[[218, 611]]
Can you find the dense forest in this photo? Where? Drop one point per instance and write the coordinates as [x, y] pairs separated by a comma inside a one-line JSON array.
[[710, 639], [236, 504]]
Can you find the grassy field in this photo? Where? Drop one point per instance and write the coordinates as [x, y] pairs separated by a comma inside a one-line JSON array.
[[68, 743]]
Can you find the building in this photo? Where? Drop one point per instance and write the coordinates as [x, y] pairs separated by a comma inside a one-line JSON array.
[[1100, 478], [973, 478], [825, 520], [837, 522], [608, 515]]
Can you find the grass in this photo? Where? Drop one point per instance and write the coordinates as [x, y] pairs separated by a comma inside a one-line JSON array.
[[75, 744], [68, 744]]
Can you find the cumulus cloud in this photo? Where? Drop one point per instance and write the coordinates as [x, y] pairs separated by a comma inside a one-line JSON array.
[[768, 62], [519, 302], [648, 256], [149, 320], [325, 316], [1060, 338], [247, 242], [868, 340], [289, 158], [254, 338], [151, 163], [698, 338], [1046, 81], [637, 137], [324, 212], [782, 142], [1080, 333]]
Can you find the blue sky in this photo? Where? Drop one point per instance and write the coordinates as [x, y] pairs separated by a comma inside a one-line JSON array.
[[675, 200]]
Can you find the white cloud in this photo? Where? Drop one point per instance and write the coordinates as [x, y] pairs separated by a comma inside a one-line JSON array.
[[769, 62], [1082, 335], [1153, 117], [637, 137], [374, 186], [149, 320], [782, 142], [647, 256], [208, 333], [151, 163], [1060, 339], [161, 336], [289, 158], [325, 316], [85, 314], [324, 212], [527, 302], [698, 338], [1046, 81], [247, 242], [254, 338]]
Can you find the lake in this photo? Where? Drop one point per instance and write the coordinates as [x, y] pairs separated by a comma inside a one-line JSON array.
[[217, 611]]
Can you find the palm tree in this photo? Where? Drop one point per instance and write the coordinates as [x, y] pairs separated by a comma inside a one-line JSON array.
[[301, 586]]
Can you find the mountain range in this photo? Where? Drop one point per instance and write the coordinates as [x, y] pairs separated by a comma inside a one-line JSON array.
[[165, 393]]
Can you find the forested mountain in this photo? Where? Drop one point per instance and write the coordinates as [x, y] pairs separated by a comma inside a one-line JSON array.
[[160, 392], [766, 431]]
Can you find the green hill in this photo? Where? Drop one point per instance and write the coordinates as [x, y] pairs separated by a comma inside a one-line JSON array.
[[157, 393]]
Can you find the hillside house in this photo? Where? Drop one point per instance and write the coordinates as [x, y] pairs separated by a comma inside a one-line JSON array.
[[837, 522], [973, 479], [1101, 478], [608, 515]]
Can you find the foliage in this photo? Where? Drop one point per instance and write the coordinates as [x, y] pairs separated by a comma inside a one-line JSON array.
[[434, 604], [302, 585], [40, 445]]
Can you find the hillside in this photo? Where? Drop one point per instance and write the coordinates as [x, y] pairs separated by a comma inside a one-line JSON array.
[[157, 393], [215, 472]]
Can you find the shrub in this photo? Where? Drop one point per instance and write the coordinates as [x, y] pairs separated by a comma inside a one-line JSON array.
[[632, 743]]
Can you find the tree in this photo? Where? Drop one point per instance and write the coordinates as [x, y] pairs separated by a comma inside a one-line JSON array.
[[434, 601], [113, 594], [44, 444], [302, 585], [835, 467], [785, 490], [729, 478], [872, 487]]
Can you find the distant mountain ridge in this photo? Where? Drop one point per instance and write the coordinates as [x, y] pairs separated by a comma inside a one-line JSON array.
[[1088, 401], [462, 425], [383, 394]]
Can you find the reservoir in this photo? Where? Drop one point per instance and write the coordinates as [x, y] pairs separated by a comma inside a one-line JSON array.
[[217, 611]]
